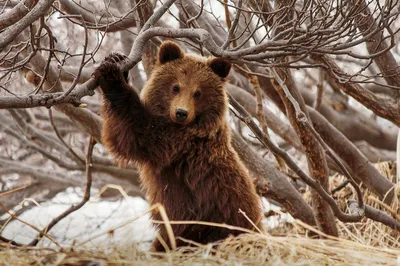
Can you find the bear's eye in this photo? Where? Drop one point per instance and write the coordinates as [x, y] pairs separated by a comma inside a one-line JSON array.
[[175, 89], [197, 94]]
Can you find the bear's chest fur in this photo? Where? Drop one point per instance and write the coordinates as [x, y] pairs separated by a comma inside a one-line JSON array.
[[192, 179], [186, 172]]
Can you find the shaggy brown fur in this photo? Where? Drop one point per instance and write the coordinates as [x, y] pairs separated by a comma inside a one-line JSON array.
[[186, 161]]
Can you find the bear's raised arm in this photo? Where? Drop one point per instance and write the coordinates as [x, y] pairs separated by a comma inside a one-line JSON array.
[[128, 127]]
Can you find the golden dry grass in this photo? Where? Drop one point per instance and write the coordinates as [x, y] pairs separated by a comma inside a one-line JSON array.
[[248, 249], [367, 231]]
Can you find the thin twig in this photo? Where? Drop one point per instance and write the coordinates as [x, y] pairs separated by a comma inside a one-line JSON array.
[[12, 190], [83, 63], [8, 241], [340, 187], [53, 125], [232, 27], [28, 224], [198, 14], [73, 208], [320, 92]]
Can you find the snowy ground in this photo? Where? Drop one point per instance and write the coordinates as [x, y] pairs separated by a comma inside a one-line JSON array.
[[92, 223]]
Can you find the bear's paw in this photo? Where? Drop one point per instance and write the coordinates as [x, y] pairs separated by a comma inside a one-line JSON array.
[[109, 72]]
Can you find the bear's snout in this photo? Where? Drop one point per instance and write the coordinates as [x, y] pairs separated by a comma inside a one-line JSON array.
[[181, 115]]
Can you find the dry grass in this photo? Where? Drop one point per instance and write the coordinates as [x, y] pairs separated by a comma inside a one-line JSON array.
[[248, 249], [364, 243], [368, 232]]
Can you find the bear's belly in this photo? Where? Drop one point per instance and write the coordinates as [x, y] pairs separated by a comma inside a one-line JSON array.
[[195, 194], [169, 189]]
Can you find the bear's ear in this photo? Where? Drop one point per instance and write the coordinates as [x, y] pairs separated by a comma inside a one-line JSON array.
[[220, 66], [169, 51]]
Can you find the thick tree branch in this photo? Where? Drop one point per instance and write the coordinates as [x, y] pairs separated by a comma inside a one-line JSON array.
[[16, 13], [315, 155], [279, 188], [378, 216], [362, 169], [9, 34]]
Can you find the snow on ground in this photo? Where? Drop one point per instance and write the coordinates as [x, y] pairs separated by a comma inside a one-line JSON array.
[[93, 219], [90, 225]]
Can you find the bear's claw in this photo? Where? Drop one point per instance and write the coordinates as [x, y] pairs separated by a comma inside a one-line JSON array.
[[109, 72], [115, 57]]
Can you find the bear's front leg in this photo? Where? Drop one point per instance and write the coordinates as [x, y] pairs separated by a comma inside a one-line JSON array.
[[125, 119]]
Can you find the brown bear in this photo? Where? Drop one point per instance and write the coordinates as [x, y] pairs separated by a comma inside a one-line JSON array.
[[178, 135]]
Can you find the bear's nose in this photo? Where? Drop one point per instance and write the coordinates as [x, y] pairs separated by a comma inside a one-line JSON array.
[[181, 115]]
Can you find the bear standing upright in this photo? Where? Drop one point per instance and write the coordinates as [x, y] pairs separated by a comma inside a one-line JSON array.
[[178, 135]]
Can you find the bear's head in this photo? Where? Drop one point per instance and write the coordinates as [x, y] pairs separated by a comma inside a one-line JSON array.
[[186, 89]]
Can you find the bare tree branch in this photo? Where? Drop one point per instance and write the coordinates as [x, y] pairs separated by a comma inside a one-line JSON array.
[[11, 32], [380, 105], [16, 13], [104, 22]]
